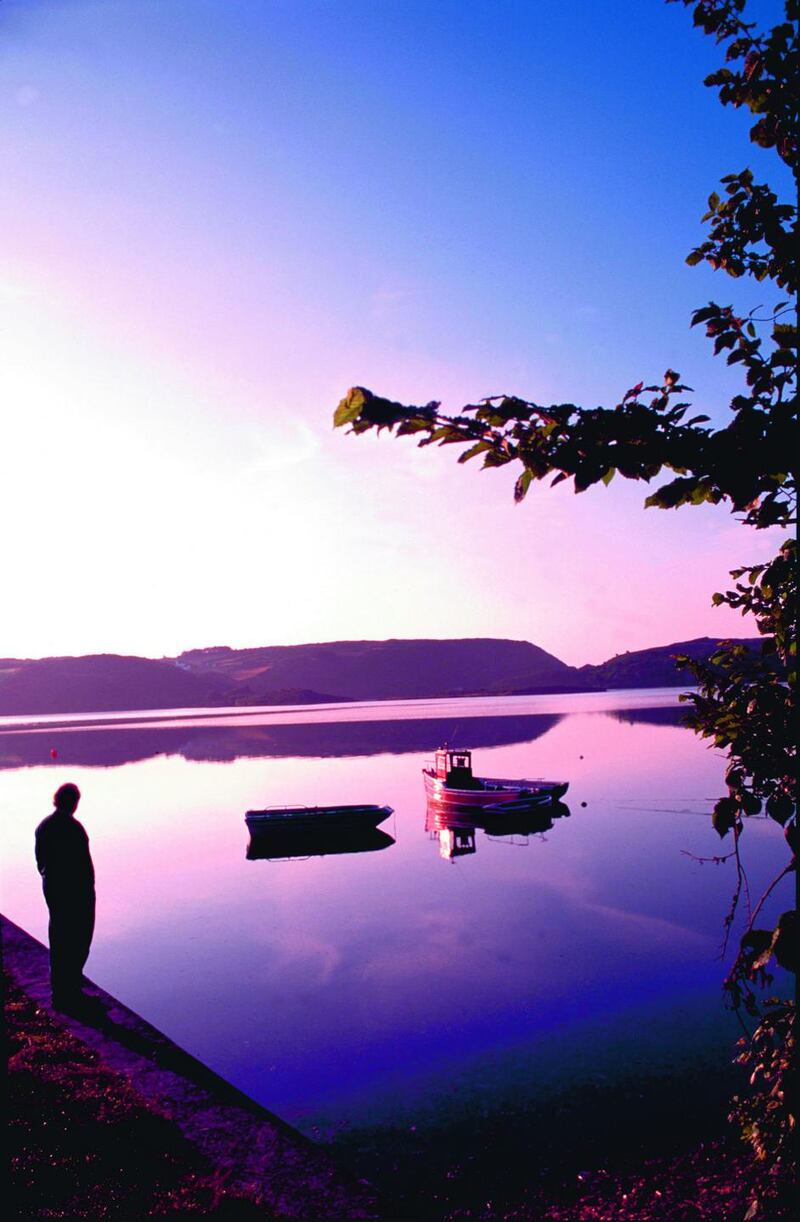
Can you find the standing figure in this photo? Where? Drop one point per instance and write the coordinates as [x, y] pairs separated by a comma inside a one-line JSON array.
[[65, 864]]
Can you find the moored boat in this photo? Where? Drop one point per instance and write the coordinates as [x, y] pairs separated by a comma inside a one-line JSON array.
[[451, 783], [318, 817]]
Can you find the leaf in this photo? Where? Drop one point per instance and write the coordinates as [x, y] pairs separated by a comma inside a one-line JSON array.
[[780, 807], [479, 448], [407, 427], [522, 485], [751, 805], [704, 492], [724, 816], [704, 314], [762, 944], [350, 406], [785, 942], [676, 492]]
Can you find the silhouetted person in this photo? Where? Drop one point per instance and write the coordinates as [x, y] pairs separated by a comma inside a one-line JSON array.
[[65, 864]]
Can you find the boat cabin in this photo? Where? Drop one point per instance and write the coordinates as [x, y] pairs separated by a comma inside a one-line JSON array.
[[455, 769]]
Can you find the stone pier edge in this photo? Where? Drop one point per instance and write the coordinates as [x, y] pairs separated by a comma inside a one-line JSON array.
[[264, 1159]]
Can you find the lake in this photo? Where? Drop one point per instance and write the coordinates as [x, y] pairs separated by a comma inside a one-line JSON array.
[[372, 987]]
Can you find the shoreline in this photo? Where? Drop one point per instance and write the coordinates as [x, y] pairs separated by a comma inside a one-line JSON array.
[[109, 1117]]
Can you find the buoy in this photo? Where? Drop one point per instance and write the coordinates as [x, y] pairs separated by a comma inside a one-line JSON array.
[[53, 753]]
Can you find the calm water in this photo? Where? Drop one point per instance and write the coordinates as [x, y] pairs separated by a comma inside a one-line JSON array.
[[356, 985]]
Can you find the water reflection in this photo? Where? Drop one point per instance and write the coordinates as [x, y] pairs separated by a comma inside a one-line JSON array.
[[282, 844], [111, 746], [455, 829]]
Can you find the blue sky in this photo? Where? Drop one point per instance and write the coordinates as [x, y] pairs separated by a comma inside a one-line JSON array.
[[219, 214]]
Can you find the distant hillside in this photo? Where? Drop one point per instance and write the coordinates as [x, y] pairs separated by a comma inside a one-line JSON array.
[[384, 670], [98, 683], [278, 674], [324, 673], [654, 667]]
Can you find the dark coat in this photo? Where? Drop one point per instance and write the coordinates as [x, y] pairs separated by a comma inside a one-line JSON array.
[[64, 860]]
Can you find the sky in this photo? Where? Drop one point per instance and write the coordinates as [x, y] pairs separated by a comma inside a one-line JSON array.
[[220, 214]]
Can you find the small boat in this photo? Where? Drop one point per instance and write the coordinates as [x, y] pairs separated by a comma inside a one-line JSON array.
[[450, 782], [346, 818], [520, 808]]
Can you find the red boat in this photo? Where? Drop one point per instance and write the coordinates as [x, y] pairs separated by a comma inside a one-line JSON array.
[[451, 785]]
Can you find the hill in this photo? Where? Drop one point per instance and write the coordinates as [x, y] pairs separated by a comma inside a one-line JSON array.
[[98, 683], [654, 667], [324, 673], [384, 670]]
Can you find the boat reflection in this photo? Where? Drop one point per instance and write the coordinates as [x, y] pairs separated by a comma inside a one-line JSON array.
[[285, 844], [455, 829]]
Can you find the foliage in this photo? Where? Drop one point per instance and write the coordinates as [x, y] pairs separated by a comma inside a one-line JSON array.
[[743, 702], [766, 1115]]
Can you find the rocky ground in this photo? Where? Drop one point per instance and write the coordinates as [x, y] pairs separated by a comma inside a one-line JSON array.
[[83, 1144], [714, 1182]]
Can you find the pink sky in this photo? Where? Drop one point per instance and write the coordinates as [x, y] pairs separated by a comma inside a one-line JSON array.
[[217, 238]]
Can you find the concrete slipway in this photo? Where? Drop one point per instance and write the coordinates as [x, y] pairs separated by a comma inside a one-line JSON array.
[[264, 1159]]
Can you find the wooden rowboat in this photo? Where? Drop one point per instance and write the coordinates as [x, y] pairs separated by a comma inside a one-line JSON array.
[[318, 817]]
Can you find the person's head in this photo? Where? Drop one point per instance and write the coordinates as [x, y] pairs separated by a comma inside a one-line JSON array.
[[66, 798]]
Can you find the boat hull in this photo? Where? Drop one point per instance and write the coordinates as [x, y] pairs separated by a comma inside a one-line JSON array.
[[328, 818], [491, 791]]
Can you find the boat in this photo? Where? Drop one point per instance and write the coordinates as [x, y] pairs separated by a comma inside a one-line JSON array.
[[329, 818], [450, 783]]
